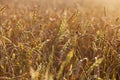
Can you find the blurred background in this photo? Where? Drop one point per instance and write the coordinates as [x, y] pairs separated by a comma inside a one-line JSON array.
[[110, 4]]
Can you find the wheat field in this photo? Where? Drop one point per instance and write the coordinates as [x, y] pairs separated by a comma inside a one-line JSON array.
[[59, 40]]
